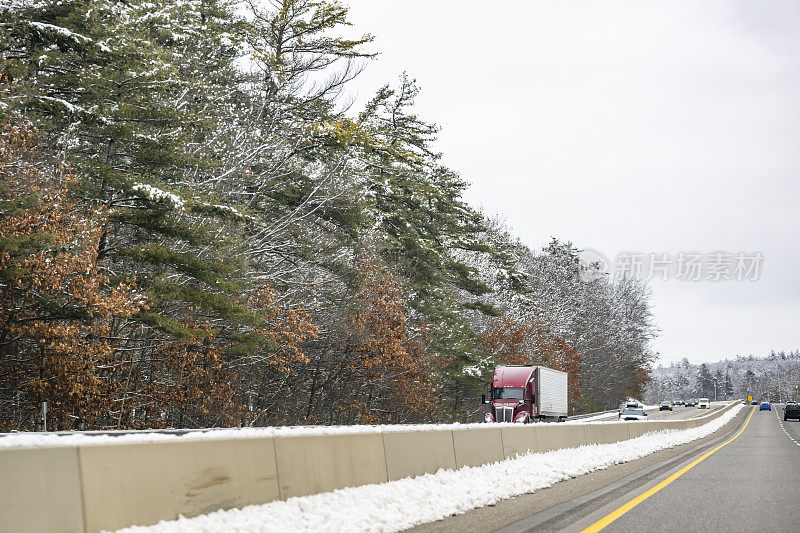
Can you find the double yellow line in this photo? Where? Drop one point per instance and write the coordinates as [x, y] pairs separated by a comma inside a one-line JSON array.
[[608, 519]]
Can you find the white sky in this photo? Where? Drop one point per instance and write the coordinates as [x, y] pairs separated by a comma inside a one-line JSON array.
[[647, 126]]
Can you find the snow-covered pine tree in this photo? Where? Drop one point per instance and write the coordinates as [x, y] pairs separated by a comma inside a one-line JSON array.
[[131, 93]]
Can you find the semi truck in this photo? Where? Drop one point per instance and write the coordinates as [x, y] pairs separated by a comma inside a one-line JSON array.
[[524, 394]]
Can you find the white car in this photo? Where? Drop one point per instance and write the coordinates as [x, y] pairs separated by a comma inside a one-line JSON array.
[[632, 413], [703, 403]]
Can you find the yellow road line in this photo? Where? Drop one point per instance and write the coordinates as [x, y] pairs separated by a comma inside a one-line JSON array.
[[609, 518]]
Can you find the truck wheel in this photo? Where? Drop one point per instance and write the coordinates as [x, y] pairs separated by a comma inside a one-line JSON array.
[[785, 418]]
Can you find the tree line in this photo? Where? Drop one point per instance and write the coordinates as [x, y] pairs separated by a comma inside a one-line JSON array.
[[774, 377], [196, 231]]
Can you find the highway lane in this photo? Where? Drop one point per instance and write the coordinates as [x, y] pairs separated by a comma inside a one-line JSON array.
[[679, 412], [749, 484]]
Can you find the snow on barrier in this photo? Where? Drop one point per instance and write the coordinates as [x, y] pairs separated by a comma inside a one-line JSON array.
[[115, 482]]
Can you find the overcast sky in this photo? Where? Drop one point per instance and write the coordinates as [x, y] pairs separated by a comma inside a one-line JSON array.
[[656, 127]]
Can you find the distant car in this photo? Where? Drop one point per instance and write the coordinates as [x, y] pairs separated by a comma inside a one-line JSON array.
[[630, 405], [678, 402], [665, 406], [691, 402], [632, 413], [703, 403], [764, 406], [792, 410]]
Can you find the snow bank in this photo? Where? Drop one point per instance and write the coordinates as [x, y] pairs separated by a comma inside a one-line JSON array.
[[398, 505]]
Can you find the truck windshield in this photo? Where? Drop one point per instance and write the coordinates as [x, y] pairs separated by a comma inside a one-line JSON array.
[[508, 393]]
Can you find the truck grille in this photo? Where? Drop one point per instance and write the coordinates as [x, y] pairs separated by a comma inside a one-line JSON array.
[[504, 414]]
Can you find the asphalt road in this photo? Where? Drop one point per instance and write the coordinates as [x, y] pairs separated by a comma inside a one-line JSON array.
[[679, 412], [752, 483]]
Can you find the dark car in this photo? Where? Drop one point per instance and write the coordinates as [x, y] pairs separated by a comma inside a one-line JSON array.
[[678, 402], [691, 402], [665, 406], [792, 410]]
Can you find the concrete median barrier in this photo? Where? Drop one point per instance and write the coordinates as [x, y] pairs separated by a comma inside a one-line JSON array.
[[40, 490], [476, 447], [634, 429], [311, 464], [659, 426], [549, 437], [142, 483], [519, 440], [413, 453], [594, 434], [574, 436], [92, 487], [615, 432]]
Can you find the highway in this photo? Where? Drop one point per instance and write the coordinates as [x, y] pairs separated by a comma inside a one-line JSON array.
[[746, 478], [749, 484], [679, 412]]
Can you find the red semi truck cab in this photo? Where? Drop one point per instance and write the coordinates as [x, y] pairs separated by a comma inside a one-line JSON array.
[[524, 394]]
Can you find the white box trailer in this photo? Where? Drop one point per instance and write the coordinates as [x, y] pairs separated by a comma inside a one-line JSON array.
[[551, 389]]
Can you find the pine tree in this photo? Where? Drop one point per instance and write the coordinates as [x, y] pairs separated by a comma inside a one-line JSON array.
[[705, 382], [421, 217], [125, 91], [728, 387], [718, 382]]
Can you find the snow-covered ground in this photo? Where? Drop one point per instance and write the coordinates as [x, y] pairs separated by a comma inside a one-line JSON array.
[[405, 503]]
